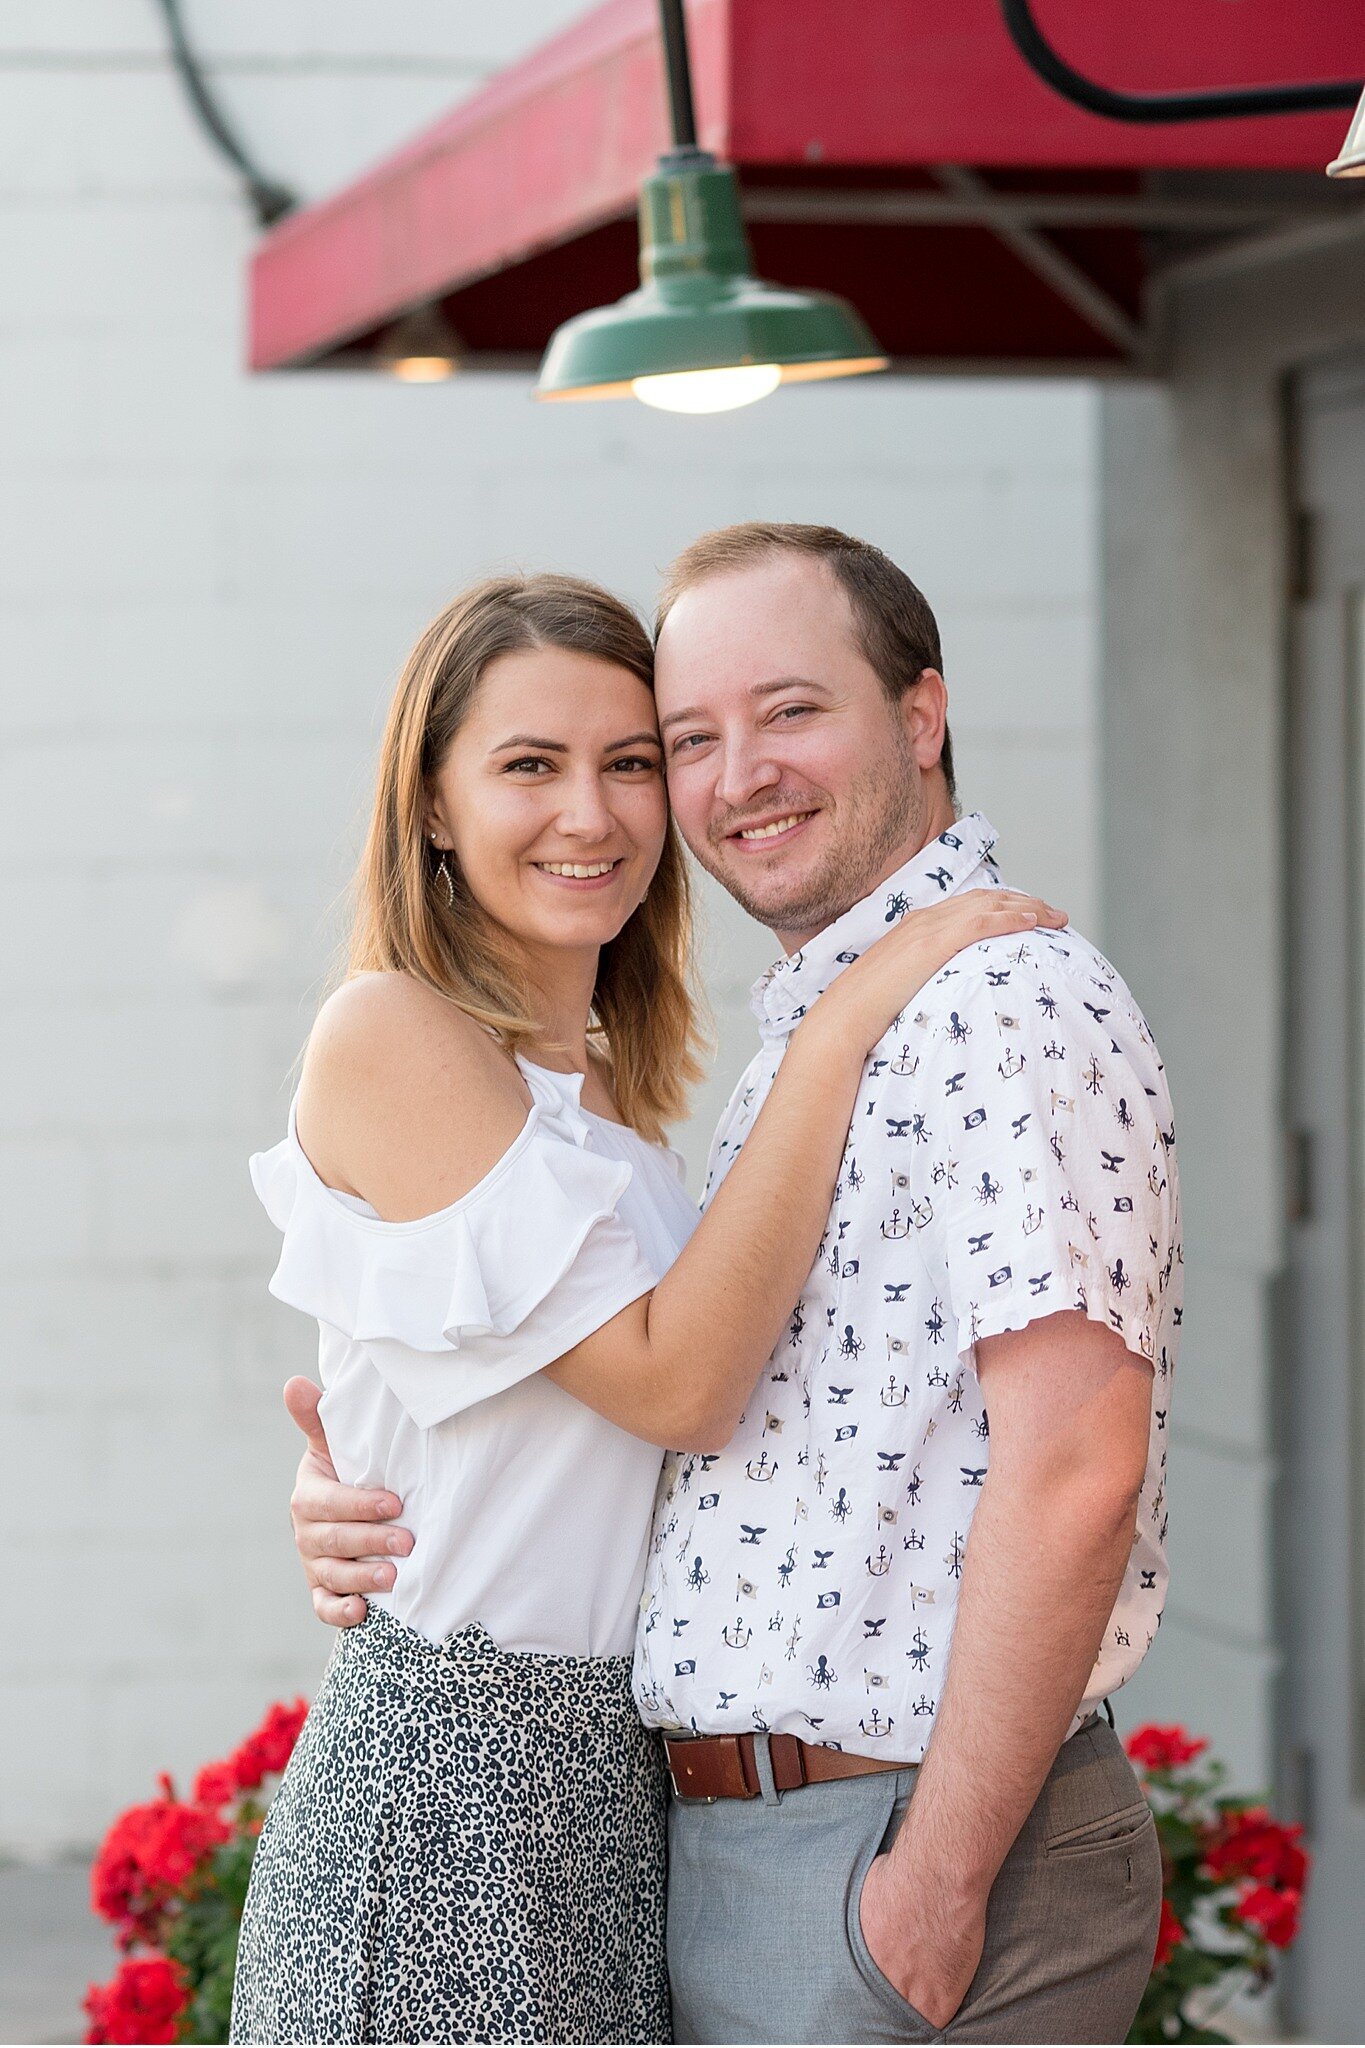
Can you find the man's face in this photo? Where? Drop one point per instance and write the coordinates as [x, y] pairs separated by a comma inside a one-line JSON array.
[[795, 780]]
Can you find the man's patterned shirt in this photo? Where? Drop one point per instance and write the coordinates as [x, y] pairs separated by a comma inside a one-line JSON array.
[[1011, 1154]]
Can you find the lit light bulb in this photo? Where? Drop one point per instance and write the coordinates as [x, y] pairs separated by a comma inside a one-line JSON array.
[[708, 390], [422, 369]]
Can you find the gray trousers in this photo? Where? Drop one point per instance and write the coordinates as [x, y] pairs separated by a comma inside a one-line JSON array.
[[764, 1940]]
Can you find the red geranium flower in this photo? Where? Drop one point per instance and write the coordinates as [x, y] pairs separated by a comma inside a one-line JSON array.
[[1254, 1844], [270, 1747], [149, 1852], [143, 2002], [1163, 1749], [1275, 1913], [215, 1785], [1169, 1935]]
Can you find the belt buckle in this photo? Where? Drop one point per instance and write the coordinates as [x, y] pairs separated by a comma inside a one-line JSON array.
[[697, 1798]]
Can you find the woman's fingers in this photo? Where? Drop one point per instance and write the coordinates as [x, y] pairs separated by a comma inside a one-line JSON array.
[[997, 910]]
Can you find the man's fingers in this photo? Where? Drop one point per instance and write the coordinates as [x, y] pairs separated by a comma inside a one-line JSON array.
[[342, 1577], [350, 1538], [337, 1613], [316, 1499], [301, 1398]]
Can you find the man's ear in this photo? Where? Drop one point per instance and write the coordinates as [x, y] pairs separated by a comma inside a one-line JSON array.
[[924, 717]]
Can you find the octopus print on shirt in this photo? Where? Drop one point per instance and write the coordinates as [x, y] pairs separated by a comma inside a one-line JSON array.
[[1011, 1155]]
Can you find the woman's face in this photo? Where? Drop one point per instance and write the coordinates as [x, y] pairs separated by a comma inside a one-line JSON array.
[[551, 796]]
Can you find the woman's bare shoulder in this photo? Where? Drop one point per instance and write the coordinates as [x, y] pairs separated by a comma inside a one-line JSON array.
[[371, 1014], [405, 1100]]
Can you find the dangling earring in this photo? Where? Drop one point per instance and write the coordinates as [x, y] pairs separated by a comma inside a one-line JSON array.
[[444, 872]]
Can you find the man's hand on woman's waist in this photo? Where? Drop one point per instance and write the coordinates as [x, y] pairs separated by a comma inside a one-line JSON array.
[[335, 1529]]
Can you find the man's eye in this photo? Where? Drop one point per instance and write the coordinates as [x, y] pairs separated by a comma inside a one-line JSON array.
[[794, 710], [688, 741]]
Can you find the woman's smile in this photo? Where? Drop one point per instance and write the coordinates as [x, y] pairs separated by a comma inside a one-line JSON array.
[[580, 874]]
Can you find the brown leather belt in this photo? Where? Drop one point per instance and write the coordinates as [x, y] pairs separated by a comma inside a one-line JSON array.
[[723, 1766]]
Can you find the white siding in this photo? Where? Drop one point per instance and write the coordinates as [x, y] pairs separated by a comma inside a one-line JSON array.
[[207, 583]]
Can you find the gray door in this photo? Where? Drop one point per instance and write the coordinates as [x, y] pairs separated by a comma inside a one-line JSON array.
[[1321, 1408]]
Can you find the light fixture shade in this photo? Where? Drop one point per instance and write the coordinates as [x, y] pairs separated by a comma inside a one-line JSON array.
[[420, 348], [699, 306], [1351, 162]]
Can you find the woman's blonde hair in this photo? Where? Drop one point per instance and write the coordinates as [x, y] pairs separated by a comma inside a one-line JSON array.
[[644, 1018]]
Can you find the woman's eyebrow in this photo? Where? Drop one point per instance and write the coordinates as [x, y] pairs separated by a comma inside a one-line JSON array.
[[525, 739]]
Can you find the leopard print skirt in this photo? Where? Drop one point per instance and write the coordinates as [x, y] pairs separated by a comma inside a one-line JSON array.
[[468, 1845]]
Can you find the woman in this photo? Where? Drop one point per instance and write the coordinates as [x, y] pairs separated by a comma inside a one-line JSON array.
[[518, 1309]]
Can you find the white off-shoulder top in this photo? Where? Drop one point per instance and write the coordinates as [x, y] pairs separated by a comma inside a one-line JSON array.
[[530, 1512]]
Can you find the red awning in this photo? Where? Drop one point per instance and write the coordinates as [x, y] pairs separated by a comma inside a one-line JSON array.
[[897, 151]]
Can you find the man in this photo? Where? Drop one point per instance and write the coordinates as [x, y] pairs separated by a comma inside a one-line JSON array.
[[884, 1627]]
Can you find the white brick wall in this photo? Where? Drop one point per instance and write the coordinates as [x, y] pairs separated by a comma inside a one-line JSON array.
[[206, 587]]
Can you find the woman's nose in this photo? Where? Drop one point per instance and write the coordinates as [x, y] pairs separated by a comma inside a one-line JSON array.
[[585, 813]]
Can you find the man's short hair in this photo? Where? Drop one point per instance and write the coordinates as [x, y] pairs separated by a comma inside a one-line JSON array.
[[896, 628]]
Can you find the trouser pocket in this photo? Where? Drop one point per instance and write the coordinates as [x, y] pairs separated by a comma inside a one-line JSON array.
[[907, 2022], [1072, 1919]]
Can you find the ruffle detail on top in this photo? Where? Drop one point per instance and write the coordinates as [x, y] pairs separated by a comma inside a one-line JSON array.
[[458, 1286]]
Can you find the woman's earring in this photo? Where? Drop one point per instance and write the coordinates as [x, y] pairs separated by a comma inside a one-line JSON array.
[[444, 872]]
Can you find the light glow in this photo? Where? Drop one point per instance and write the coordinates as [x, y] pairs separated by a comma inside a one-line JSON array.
[[422, 369], [697, 391]]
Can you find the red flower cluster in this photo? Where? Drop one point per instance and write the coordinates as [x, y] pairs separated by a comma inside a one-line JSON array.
[[142, 2002], [155, 1873], [1169, 1935], [1274, 1913], [262, 1755], [1163, 1749], [1254, 1846], [1232, 1881], [1252, 1843], [149, 1853]]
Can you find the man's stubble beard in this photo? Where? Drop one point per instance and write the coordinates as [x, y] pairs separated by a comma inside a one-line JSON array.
[[883, 813]]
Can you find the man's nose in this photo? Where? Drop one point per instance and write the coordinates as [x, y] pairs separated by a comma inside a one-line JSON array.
[[746, 770]]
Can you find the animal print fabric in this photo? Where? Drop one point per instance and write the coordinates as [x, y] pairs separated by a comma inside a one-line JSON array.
[[468, 1845]]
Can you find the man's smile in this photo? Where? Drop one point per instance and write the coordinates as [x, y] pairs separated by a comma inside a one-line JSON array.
[[772, 832]]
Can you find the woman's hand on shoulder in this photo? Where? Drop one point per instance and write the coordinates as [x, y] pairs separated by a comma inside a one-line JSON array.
[[404, 1100], [861, 1006]]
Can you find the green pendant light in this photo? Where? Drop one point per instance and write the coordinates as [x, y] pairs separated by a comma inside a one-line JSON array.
[[702, 333]]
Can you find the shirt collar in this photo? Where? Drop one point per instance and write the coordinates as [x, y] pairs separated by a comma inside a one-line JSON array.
[[780, 998]]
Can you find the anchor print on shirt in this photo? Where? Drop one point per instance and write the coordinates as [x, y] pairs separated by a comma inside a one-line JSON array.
[[1012, 1156]]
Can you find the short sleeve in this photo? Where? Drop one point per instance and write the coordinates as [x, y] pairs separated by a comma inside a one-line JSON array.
[[459, 1306], [1047, 1181]]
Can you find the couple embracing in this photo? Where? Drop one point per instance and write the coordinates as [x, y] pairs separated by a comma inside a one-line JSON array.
[[732, 1677]]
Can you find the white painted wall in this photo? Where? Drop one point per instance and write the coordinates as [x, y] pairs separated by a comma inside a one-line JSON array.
[[207, 584], [1198, 824]]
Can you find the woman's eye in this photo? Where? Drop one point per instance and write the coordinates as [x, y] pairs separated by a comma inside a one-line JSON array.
[[636, 762], [528, 765]]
